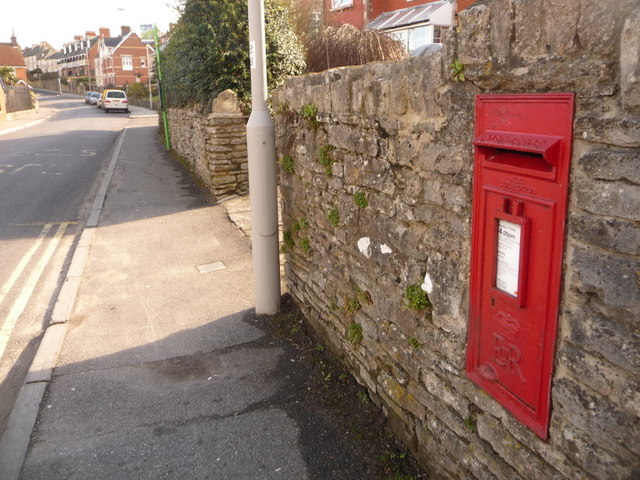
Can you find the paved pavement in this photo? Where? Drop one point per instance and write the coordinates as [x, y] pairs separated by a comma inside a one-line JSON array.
[[28, 118], [154, 365]]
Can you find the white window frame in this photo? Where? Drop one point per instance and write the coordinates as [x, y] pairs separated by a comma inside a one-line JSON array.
[[127, 62], [340, 4], [404, 34]]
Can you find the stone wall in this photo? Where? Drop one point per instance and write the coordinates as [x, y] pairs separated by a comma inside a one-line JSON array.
[[376, 182], [214, 145]]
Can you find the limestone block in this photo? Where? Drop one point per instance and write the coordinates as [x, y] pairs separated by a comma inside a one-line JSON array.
[[600, 24], [608, 233], [582, 323], [630, 62], [611, 428], [474, 41]]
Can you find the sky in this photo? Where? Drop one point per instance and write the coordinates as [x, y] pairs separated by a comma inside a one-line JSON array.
[[58, 22]]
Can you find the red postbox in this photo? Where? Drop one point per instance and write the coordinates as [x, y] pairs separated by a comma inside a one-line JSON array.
[[522, 157]]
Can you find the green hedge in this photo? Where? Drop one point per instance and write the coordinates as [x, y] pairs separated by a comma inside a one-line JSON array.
[[209, 51]]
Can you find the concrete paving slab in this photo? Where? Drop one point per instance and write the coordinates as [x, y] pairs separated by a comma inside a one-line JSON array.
[[220, 449], [117, 342], [174, 391]]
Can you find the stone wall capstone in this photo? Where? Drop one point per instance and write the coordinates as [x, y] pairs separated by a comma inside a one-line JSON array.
[[378, 161], [214, 145]]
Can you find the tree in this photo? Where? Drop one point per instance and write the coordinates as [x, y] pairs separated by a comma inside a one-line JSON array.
[[209, 51], [8, 76]]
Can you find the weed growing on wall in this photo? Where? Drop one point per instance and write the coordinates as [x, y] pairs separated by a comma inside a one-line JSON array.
[[301, 224], [360, 199], [470, 423], [287, 241], [413, 342], [305, 245], [363, 296], [334, 216], [325, 159], [457, 71], [354, 333], [351, 306], [416, 298], [309, 113], [286, 164]]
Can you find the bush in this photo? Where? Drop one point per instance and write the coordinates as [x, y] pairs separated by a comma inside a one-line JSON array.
[[208, 51], [346, 45], [137, 91]]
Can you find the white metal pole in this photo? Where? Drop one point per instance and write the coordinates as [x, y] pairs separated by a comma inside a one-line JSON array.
[[262, 173]]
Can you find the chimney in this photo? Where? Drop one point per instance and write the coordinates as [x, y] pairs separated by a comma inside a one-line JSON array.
[[104, 32], [78, 38], [89, 34], [125, 30]]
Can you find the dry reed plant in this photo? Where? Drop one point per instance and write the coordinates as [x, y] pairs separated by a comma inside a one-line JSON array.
[[346, 45]]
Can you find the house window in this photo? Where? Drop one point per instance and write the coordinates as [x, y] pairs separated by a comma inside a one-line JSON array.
[[438, 33], [338, 4], [418, 37], [143, 62], [127, 62]]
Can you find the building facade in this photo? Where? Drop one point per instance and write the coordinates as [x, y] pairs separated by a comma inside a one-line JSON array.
[[11, 57], [122, 60]]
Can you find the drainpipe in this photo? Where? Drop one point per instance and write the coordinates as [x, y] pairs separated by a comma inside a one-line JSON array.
[[262, 173], [366, 5]]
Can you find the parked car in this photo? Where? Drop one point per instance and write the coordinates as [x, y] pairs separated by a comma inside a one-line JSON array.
[[101, 98], [115, 100], [93, 99], [88, 95]]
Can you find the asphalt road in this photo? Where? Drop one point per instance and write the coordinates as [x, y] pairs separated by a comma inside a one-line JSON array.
[[49, 174]]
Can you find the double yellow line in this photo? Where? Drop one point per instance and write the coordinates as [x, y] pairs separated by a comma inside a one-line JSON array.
[[9, 323]]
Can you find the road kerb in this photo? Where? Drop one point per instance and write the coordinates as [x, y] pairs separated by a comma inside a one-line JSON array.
[[16, 437]]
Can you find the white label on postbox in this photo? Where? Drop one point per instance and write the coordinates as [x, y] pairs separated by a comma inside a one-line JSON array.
[[508, 257]]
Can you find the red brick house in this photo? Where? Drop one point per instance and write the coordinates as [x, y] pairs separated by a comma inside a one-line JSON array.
[[417, 23], [123, 60], [11, 56]]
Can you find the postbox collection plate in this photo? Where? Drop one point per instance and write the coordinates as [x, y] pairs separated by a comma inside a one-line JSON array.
[[522, 159]]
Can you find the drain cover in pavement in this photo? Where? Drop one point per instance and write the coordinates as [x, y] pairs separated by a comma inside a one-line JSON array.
[[211, 267]]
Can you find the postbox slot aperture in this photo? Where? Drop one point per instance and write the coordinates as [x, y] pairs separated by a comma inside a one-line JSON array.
[[527, 161]]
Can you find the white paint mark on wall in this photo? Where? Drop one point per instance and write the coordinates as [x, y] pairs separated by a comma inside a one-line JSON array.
[[427, 285], [364, 245], [385, 250]]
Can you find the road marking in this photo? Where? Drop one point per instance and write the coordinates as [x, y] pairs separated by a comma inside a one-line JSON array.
[[38, 224], [23, 167], [23, 263], [21, 302]]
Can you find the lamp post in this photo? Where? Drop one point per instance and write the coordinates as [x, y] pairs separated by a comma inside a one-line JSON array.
[[262, 173]]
